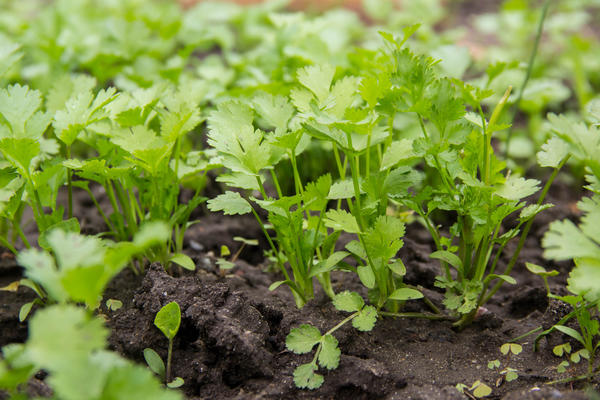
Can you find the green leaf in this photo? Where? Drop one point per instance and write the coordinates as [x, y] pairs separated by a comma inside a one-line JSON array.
[[448, 257], [511, 376], [114, 304], [176, 383], [276, 110], [480, 389], [348, 301], [305, 377], [329, 264], [532, 210], [155, 363], [317, 78], [341, 220], [398, 151], [514, 348], [151, 233], [571, 332], [184, 260], [584, 278], [561, 349], [224, 264], [516, 188], [505, 278], [539, 270], [231, 203], [168, 319], [302, 339], [329, 357], [20, 153], [67, 225], [564, 241], [275, 285], [365, 320], [383, 238], [341, 190], [366, 276], [25, 310], [18, 105], [405, 294], [397, 267], [552, 153], [61, 336]]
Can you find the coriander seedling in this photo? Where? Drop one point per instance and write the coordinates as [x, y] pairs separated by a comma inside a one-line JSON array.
[[167, 319]]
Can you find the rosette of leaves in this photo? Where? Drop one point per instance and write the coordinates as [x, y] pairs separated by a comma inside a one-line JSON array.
[[302, 242], [463, 176], [143, 161]]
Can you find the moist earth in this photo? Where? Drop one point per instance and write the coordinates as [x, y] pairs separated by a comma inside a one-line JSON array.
[[231, 344]]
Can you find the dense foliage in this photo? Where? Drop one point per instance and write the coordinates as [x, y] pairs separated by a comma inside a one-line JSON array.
[[326, 129]]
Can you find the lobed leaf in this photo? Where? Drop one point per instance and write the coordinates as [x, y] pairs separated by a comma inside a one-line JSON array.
[[302, 339]]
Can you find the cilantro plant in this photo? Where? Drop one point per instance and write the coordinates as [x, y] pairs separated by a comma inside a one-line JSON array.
[[167, 319], [70, 345], [76, 268], [142, 164], [463, 176], [68, 342], [302, 240], [566, 241], [303, 339]]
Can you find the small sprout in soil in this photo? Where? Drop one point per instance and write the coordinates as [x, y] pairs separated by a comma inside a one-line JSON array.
[[114, 304], [167, 320], [542, 273], [560, 349], [513, 348], [478, 389], [225, 264]]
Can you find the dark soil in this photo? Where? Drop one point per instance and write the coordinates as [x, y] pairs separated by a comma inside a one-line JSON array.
[[232, 338]]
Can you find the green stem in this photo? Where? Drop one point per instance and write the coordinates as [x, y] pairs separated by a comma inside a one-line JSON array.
[[9, 246], [169, 354], [437, 317], [69, 185], [97, 205], [531, 332], [17, 227], [523, 237], [538, 35]]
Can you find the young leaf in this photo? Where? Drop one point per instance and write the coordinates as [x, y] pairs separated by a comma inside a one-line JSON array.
[[398, 151], [184, 260], [231, 203], [176, 383], [405, 294], [448, 257], [564, 241], [168, 319], [302, 339], [329, 357], [348, 301], [515, 188], [552, 153], [366, 276], [341, 220], [317, 78], [571, 332], [480, 389], [365, 320], [155, 363], [305, 377]]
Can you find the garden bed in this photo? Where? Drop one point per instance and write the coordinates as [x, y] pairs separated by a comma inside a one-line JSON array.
[[231, 342]]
